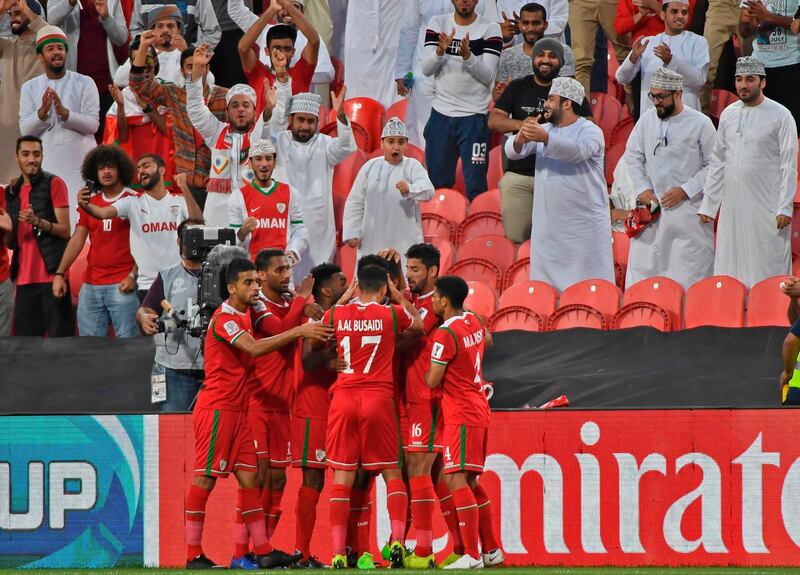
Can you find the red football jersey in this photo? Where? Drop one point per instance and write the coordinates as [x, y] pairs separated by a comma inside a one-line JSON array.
[[109, 260], [227, 368], [458, 344], [270, 208], [301, 74], [312, 388], [365, 336], [418, 356], [274, 379]]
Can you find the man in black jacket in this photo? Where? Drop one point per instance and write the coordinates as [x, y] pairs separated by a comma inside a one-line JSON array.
[[36, 227]]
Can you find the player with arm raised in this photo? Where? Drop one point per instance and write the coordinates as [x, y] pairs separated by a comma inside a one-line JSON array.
[[362, 424], [456, 365], [223, 441]]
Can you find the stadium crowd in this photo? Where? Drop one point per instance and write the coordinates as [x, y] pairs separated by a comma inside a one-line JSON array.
[[363, 131]]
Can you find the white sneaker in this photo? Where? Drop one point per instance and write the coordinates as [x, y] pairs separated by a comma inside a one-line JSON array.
[[466, 562], [496, 557]]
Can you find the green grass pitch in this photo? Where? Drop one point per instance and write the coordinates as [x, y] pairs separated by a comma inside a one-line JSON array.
[[503, 570]]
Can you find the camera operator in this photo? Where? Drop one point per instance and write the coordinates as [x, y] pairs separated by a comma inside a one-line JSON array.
[[178, 368], [522, 98]]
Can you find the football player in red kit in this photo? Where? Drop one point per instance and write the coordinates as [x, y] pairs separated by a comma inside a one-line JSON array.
[[362, 420], [456, 366], [315, 373], [223, 441]]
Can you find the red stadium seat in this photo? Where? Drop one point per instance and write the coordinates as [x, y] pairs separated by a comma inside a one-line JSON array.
[[76, 272], [398, 109], [663, 292], [795, 238], [620, 246], [535, 295], [642, 314], [576, 315], [488, 201], [447, 203], [367, 113], [360, 133], [607, 112], [599, 294], [344, 174], [436, 226], [516, 317], [721, 99], [718, 301], [621, 131], [495, 171], [481, 299], [613, 156], [497, 249], [475, 269], [447, 253], [483, 224], [766, 303], [346, 259], [411, 152], [524, 250], [518, 272]]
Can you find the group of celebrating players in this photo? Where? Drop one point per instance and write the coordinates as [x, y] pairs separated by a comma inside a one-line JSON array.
[[381, 376]]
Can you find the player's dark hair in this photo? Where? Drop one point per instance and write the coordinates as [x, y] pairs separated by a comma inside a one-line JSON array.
[[534, 7], [427, 253], [371, 278], [281, 32], [454, 289], [322, 274], [108, 155], [157, 160], [237, 266], [35, 139], [395, 269], [186, 54], [372, 260], [264, 258]]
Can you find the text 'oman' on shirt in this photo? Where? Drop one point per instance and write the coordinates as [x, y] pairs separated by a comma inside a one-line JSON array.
[[477, 46], [271, 223], [156, 227], [351, 325]]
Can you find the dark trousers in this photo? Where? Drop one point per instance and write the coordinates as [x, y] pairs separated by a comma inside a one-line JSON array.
[[447, 139], [226, 65], [37, 312], [782, 87]]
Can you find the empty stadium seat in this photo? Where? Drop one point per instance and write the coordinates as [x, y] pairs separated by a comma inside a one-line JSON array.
[[397, 109], [600, 294], [475, 269], [721, 99], [767, 304], [518, 272], [642, 314], [483, 224], [516, 317], [447, 253], [495, 171], [795, 236], [497, 249], [488, 201], [607, 112], [663, 292], [367, 113], [613, 155], [346, 259], [576, 315], [620, 247], [76, 272], [621, 131], [717, 301], [360, 134], [344, 174], [524, 250], [481, 299], [448, 203], [538, 296], [436, 226]]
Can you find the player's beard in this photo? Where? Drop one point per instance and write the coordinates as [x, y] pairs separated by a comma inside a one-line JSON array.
[[151, 181], [549, 77]]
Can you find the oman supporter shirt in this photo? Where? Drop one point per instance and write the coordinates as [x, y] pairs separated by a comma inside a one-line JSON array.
[[109, 260]]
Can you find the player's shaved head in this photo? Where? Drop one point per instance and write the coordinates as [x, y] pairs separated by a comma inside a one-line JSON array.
[[265, 257], [453, 289], [372, 278]]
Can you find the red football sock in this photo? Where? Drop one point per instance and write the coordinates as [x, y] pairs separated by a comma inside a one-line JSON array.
[[485, 526], [467, 510], [359, 520], [196, 499], [248, 500], [241, 536], [305, 518], [266, 500], [339, 513], [448, 508], [273, 512], [422, 498], [397, 505]]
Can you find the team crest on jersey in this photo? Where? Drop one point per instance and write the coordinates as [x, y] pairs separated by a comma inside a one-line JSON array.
[[320, 454], [175, 210], [231, 327], [437, 350], [222, 464], [281, 207]]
